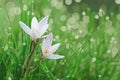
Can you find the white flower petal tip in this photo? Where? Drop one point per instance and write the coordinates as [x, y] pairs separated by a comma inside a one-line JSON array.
[[25, 28], [54, 47], [34, 18], [21, 23], [34, 23], [43, 21], [46, 18], [55, 56], [49, 36]]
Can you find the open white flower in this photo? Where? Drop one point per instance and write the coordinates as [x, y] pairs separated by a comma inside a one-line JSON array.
[[48, 49], [37, 28]]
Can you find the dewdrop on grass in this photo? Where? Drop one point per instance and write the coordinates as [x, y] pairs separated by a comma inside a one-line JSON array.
[[96, 16], [77, 1], [107, 18], [94, 59], [83, 13], [68, 2]]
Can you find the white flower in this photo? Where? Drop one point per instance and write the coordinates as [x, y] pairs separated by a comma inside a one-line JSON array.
[[48, 49], [37, 28]]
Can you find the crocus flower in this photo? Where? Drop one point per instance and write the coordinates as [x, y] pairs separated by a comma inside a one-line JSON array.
[[48, 49], [37, 28]]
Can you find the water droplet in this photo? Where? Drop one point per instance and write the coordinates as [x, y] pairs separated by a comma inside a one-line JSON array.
[[9, 78], [58, 79], [46, 11], [95, 52], [6, 47], [96, 16], [56, 37], [92, 40], [80, 31], [108, 51], [77, 1], [28, 13], [33, 13], [107, 18], [32, 1], [63, 29], [35, 59], [66, 40], [62, 63], [71, 21], [24, 7], [67, 46], [63, 17], [113, 40], [53, 2], [94, 59], [9, 28], [59, 5], [76, 36], [99, 75], [68, 2], [24, 44], [82, 50], [114, 51], [83, 13], [14, 11]]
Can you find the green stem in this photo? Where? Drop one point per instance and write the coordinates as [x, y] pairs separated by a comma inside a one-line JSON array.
[[31, 55], [36, 65], [30, 48], [28, 61]]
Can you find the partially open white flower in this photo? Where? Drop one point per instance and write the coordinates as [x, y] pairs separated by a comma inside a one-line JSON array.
[[48, 49], [37, 28]]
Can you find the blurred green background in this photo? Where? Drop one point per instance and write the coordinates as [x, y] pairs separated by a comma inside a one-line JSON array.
[[88, 31]]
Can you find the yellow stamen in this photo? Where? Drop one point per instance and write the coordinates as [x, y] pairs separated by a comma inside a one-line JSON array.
[[37, 31], [46, 51]]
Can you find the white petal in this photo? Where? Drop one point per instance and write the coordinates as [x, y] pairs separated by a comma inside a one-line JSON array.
[[34, 24], [46, 44], [43, 22], [34, 35], [43, 29], [54, 47], [54, 56], [25, 28]]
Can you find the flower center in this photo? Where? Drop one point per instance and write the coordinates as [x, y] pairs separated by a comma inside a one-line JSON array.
[[46, 51], [37, 31]]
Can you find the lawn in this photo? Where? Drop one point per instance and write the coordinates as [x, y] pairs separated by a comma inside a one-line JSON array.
[[89, 41]]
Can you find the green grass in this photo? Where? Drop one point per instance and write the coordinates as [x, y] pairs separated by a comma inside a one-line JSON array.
[[91, 48]]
